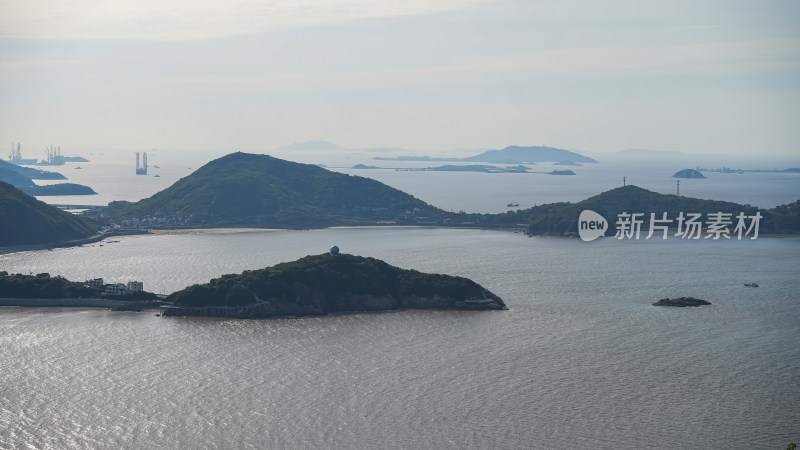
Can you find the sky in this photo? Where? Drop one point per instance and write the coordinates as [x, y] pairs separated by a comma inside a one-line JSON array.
[[699, 76]]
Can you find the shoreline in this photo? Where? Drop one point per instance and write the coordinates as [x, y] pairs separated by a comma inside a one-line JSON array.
[[130, 305], [222, 230]]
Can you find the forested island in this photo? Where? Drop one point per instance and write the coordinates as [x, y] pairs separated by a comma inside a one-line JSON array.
[[330, 283]]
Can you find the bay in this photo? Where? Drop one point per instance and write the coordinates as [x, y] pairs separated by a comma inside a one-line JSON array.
[[580, 359]]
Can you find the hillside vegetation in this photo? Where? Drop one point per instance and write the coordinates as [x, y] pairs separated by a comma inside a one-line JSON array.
[[562, 218], [328, 283], [243, 189], [25, 220]]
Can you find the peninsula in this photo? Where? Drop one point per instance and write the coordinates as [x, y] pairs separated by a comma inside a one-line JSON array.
[[22, 178], [42, 290]]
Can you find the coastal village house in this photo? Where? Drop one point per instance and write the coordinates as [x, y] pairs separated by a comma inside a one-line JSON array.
[[116, 288]]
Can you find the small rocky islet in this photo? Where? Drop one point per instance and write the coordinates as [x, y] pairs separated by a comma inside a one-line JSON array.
[[681, 302]]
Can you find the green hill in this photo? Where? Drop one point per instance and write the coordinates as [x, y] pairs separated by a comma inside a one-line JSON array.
[[329, 283], [562, 218], [25, 220], [243, 189]]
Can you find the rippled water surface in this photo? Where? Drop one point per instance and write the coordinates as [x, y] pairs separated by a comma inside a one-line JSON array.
[[580, 360]]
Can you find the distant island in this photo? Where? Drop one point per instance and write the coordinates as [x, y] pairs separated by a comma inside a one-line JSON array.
[[58, 189], [740, 171], [22, 178], [325, 284], [31, 173], [562, 172], [474, 168], [510, 155], [688, 173], [362, 166]]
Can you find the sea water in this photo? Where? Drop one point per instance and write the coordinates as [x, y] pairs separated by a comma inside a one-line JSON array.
[[580, 359]]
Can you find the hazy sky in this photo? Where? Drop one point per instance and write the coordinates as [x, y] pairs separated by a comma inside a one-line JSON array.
[[699, 76]]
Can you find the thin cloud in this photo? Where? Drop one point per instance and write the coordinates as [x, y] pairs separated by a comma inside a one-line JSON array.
[[704, 60], [178, 20]]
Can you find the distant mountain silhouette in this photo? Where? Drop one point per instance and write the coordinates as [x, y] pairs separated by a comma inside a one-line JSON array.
[[509, 155]]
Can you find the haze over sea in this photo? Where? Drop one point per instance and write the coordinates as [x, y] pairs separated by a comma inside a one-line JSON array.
[[580, 359], [111, 175]]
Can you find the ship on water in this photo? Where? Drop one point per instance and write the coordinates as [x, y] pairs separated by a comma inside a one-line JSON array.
[[16, 156], [141, 169]]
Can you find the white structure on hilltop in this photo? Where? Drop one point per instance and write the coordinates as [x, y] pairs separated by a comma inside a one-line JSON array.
[[135, 286]]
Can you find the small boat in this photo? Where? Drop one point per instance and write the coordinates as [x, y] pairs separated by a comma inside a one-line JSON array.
[[157, 175], [512, 205], [78, 167], [751, 284]]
